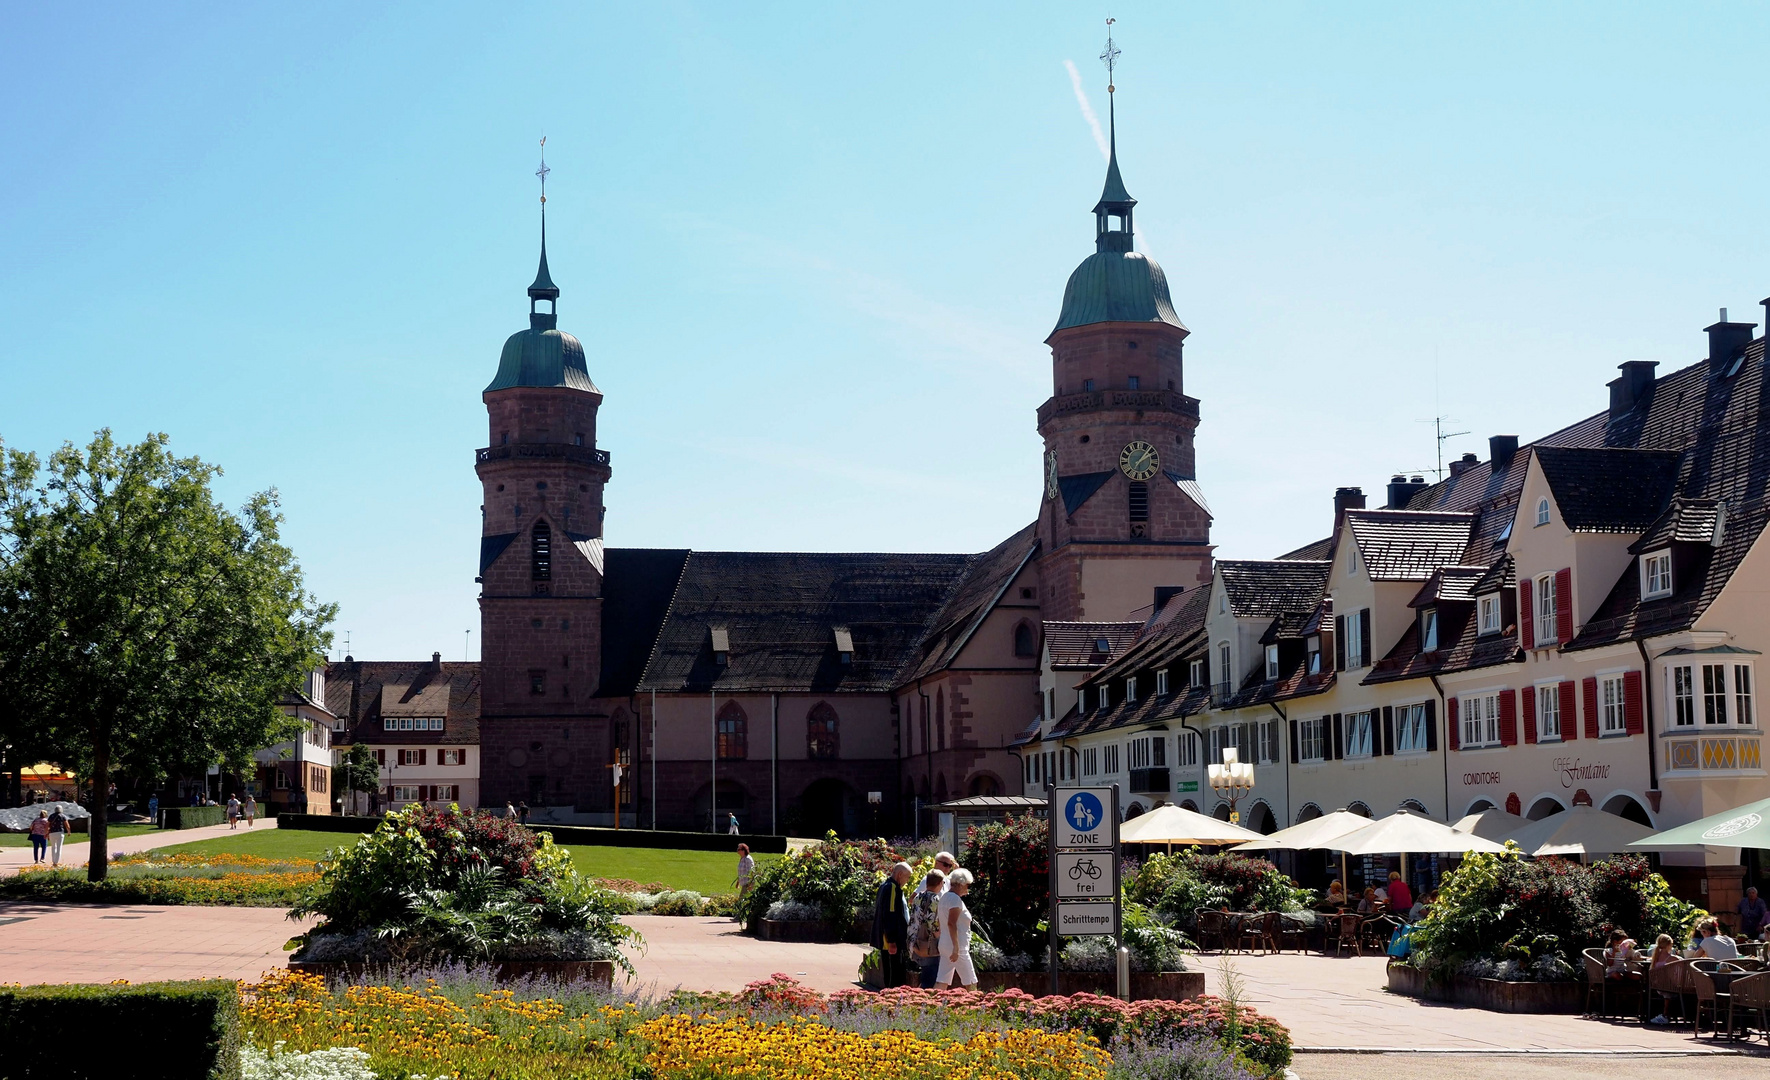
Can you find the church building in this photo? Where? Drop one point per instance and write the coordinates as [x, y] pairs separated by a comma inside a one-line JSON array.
[[808, 691]]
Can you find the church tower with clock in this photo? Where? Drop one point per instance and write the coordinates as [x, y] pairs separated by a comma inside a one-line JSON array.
[[1122, 513]]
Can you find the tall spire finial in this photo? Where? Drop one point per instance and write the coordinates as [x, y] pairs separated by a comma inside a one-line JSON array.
[[543, 288], [1113, 212]]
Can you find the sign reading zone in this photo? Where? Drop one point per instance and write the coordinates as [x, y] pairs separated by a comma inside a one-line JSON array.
[[1083, 820]]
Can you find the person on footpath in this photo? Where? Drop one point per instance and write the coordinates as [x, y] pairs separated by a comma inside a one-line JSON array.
[[925, 926], [233, 811], [510, 811], [746, 871], [955, 934], [891, 925], [1752, 914], [251, 808], [1401, 898], [732, 827], [153, 809], [58, 831], [40, 837]]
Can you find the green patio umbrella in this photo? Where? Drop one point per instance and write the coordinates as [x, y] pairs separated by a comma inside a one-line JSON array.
[[1745, 826]]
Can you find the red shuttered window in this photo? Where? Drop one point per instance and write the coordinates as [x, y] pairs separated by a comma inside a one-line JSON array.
[[1569, 718], [1526, 614], [1634, 715], [1453, 732], [1508, 718], [1528, 694], [1564, 605], [1590, 685]]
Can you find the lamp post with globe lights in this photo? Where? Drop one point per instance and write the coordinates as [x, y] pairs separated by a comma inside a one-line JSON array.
[[1231, 780]]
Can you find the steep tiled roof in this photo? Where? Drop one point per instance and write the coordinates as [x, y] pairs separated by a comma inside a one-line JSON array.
[[1407, 545], [1320, 549], [1503, 574], [637, 586], [1077, 644], [1171, 645], [971, 600], [1450, 583], [1690, 521], [1608, 489], [780, 612], [1266, 588], [358, 691], [1460, 649]]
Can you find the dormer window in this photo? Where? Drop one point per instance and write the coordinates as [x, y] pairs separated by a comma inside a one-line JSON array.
[[1104, 696], [1656, 575], [1429, 630], [1315, 655], [1195, 676], [844, 647], [720, 638], [1223, 604], [1542, 511], [1161, 682], [1102, 645], [1490, 614], [1130, 689], [1271, 662]]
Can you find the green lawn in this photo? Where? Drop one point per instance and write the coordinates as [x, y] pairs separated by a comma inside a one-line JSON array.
[[19, 839], [707, 872]]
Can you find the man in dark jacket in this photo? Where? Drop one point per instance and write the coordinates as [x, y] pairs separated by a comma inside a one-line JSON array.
[[891, 924]]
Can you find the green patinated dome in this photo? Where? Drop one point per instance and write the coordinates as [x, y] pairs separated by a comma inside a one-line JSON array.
[[543, 355], [1117, 286]]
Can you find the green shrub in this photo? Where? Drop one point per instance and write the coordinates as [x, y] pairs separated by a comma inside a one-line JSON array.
[[154, 1031], [679, 902], [1011, 890], [766, 886], [1179, 886], [1517, 919], [835, 876], [191, 817]]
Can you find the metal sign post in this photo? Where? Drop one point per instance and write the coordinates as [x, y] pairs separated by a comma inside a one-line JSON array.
[[1084, 860]]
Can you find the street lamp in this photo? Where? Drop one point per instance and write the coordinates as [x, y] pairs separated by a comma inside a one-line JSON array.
[[1231, 780]]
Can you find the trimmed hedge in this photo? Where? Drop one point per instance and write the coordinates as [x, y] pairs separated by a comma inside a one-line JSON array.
[[191, 817], [154, 1031], [571, 834]]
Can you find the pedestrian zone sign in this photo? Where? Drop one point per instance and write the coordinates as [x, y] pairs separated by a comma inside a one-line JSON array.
[[1085, 820]]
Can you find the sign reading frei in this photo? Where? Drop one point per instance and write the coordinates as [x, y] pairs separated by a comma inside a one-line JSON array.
[[1084, 875]]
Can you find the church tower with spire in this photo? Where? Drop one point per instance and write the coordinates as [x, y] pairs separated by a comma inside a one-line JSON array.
[[1123, 514], [540, 562]]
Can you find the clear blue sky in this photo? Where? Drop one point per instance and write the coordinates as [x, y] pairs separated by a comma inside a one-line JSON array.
[[813, 256]]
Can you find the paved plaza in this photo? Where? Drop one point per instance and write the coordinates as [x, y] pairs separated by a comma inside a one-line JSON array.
[[1326, 1002], [11, 858]]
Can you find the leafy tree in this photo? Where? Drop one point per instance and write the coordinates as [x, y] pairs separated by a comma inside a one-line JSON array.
[[358, 772], [160, 628]]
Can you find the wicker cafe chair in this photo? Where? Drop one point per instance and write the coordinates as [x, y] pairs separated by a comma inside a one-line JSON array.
[[1595, 988], [1349, 934], [1261, 930], [1668, 982], [1376, 931], [1749, 999], [1702, 980], [1293, 931], [1213, 929]]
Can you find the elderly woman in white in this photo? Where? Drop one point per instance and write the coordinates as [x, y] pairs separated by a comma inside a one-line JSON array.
[[955, 933]]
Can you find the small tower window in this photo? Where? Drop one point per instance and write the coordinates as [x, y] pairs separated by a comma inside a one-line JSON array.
[[1542, 511], [578, 439], [541, 552], [1139, 500], [1087, 386], [1133, 383]]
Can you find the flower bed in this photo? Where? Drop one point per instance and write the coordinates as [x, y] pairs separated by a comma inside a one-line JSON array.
[[829, 883], [148, 878], [460, 1023], [1145, 985]]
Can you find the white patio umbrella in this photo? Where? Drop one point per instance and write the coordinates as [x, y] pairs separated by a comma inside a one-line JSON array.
[[1492, 824], [1745, 826], [1582, 830], [1177, 825], [1317, 832], [1405, 832]]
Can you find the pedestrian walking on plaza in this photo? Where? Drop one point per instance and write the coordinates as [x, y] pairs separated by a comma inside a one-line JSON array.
[[732, 828], [891, 924], [925, 926], [251, 808], [746, 871], [58, 831], [40, 837], [233, 811], [522, 811], [509, 811], [1401, 898], [955, 934], [1752, 914], [153, 809]]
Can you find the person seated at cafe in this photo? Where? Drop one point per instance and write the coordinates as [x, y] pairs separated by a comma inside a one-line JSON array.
[[1664, 952], [1617, 955], [1369, 904], [1336, 894], [1423, 906], [1401, 898], [1713, 944]]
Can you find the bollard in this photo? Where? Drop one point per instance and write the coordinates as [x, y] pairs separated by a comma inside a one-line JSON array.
[[1124, 958]]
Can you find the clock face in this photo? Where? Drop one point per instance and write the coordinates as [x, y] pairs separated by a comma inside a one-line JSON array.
[[1139, 460], [1050, 474]]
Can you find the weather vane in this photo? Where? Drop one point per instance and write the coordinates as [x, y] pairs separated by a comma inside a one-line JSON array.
[[543, 170], [1109, 57]]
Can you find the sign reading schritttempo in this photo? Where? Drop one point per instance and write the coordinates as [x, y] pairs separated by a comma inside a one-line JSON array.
[[1084, 862], [1084, 920]]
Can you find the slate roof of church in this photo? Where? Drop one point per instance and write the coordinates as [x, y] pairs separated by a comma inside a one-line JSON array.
[[359, 691], [637, 587], [985, 578]]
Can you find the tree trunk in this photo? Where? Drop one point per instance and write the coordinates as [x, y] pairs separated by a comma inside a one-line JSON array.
[[98, 857]]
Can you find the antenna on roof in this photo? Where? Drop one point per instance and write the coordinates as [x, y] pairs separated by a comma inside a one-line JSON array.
[[1439, 435], [467, 646]]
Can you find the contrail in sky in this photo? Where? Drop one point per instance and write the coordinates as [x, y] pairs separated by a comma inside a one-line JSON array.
[[1075, 78]]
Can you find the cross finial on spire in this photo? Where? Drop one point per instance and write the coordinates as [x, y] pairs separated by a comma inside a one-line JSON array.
[[1110, 56], [543, 288], [542, 173]]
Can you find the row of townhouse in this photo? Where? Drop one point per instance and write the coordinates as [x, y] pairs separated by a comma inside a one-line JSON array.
[[1573, 621]]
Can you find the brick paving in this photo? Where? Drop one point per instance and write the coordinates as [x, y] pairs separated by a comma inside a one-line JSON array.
[[710, 954], [92, 943]]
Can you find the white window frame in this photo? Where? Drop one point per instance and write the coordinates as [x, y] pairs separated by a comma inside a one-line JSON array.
[[1195, 676], [1222, 603], [1312, 740], [1130, 689], [1410, 728], [1355, 657], [1714, 695], [1613, 705], [1429, 630], [1542, 511], [1656, 575], [1682, 687], [1186, 750], [1271, 662], [1478, 717], [1544, 601], [1103, 696], [1226, 662], [448, 792], [1270, 752], [443, 756], [408, 758], [1548, 708], [1090, 761], [1351, 559], [1161, 683], [1491, 614], [1109, 759], [1359, 735], [1745, 711], [408, 792], [1137, 754]]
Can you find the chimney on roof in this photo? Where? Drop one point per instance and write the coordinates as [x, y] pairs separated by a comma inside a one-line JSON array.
[[436, 658], [1463, 465], [1632, 386], [1501, 449], [1726, 339], [1346, 498], [1400, 491]]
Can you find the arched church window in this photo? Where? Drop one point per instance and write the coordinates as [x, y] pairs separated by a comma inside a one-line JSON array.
[[1023, 641], [541, 552], [821, 740], [733, 732]]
